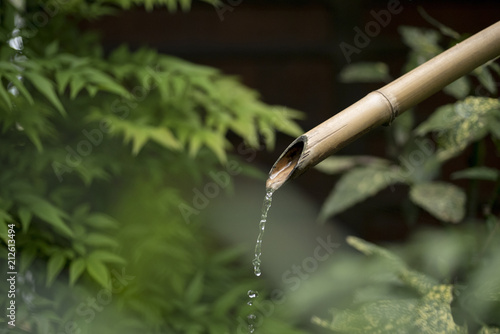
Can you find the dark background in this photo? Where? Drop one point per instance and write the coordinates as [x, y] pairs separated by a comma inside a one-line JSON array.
[[289, 52]]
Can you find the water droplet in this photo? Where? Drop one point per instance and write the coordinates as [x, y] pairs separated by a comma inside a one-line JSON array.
[[253, 293]]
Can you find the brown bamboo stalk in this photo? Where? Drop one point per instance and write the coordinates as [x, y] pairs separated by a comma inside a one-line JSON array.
[[384, 105]]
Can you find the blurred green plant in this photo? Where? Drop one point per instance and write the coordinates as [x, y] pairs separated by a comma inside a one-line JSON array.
[[97, 153], [457, 286]]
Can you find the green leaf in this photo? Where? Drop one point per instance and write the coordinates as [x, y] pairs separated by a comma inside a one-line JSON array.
[[25, 218], [365, 72], [337, 164], [430, 314], [194, 290], [477, 173], [4, 219], [443, 200], [63, 78], [27, 256], [459, 88], [423, 42], [54, 267], [164, 137], [4, 95], [486, 79], [99, 240], [46, 87], [447, 31], [76, 85], [457, 125], [402, 127], [105, 256], [356, 186], [104, 81], [98, 270], [45, 211], [20, 86], [76, 268], [101, 220], [369, 248]]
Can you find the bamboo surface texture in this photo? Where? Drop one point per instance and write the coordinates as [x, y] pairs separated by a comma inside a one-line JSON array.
[[384, 105]]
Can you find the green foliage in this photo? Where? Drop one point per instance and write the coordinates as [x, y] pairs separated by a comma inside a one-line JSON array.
[[456, 288], [356, 185], [429, 312], [97, 154], [365, 72], [443, 200]]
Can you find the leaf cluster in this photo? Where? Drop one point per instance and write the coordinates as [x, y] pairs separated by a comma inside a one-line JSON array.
[[97, 153]]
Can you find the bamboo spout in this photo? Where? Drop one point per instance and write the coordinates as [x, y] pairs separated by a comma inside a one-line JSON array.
[[384, 105]]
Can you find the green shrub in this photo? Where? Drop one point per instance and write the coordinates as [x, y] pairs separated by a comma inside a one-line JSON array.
[[99, 157]]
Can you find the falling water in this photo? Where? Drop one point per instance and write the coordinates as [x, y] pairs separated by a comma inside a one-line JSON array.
[[262, 225], [252, 318]]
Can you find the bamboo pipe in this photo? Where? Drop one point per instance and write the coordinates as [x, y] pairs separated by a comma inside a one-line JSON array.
[[382, 106]]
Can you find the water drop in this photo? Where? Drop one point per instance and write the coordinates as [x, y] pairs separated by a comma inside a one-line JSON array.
[[253, 293]]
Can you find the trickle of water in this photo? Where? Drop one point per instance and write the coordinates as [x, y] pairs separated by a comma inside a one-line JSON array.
[[252, 294], [262, 226], [252, 318]]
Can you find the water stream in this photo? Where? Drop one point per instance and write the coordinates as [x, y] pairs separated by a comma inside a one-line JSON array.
[[252, 294], [262, 226]]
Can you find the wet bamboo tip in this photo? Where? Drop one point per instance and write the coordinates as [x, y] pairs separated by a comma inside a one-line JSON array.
[[286, 165]]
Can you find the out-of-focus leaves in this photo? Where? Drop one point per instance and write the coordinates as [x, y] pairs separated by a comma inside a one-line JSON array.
[[5, 218], [106, 257], [483, 74], [337, 164], [194, 290], [45, 86], [459, 88], [45, 211], [100, 240], [402, 126], [365, 72], [445, 30], [429, 313], [443, 200], [98, 270], [357, 185], [101, 221], [76, 269], [54, 267], [457, 125], [25, 218], [477, 173], [424, 44]]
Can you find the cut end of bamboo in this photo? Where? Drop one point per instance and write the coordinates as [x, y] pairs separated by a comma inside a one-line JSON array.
[[286, 165]]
